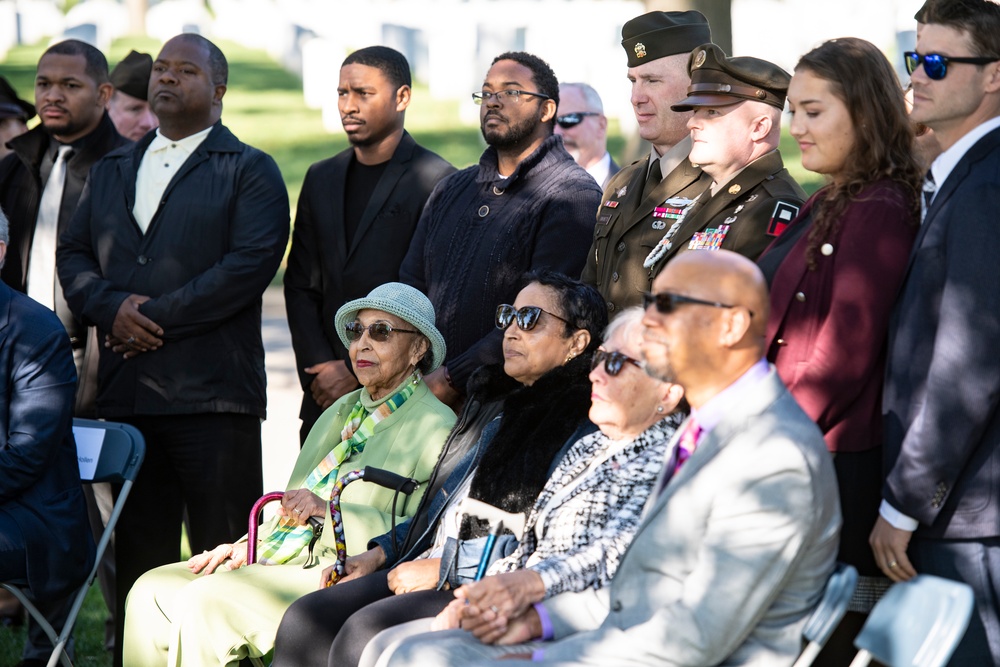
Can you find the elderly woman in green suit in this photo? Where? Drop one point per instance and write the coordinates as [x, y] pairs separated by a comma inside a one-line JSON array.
[[215, 609]]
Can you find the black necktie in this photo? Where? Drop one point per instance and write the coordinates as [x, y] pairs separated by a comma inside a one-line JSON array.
[[652, 180]]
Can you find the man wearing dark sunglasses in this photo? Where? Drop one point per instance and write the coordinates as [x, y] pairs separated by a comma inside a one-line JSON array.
[[940, 512], [580, 121], [633, 210]]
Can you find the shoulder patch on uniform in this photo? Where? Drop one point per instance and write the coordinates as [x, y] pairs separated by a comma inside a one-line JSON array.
[[784, 213]]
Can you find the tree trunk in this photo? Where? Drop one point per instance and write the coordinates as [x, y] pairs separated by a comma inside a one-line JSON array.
[[137, 16]]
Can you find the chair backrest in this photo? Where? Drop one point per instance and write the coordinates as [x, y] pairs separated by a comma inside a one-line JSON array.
[[917, 623], [833, 605], [108, 451]]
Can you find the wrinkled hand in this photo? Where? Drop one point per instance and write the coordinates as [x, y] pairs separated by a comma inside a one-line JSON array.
[[355, 567], [132, 332], [490, 627], [889, 546], [229, 556], [438, 383], [417, 575], [510, 592], [300, 504], [332, 380]]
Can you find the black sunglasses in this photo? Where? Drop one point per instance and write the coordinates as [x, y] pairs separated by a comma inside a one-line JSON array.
[[526, 316], [667, 302], [613, 361], [568, 120], [378, 331], [936, 65]]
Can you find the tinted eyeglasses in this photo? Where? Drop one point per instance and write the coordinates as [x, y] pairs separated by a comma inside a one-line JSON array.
[[936, 65], [667, 302], [569, 120], [378, 331], [613, 361], [513, 96], [526, 316]]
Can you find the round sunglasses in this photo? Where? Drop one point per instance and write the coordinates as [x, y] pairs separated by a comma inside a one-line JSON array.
[[613, 361], [526, 316], [377, 331], [936, 65]]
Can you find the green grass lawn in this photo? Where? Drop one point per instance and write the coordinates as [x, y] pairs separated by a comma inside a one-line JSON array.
[[264, 107]]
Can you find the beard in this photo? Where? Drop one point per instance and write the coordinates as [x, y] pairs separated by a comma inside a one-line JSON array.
[[662, 371], [512, 135]]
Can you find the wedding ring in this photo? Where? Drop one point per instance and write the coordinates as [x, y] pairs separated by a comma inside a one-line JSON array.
[[131, 339], [494, 609], [297, 511], [892, 565]]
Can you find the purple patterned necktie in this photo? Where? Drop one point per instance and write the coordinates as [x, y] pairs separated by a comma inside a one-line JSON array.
[[688, 442]]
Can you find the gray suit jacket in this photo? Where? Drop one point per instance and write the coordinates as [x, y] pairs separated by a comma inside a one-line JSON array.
[[730, 558], [942, 391]]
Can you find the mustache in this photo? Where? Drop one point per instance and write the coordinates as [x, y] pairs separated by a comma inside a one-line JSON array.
[[494, 114], [53, 106], [352, 119]]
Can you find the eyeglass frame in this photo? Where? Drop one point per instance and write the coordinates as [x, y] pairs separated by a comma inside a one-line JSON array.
[[912, 60], [582, 114], [613, 357], [484, 96], [518, 315], [649, 299], [351, 329]]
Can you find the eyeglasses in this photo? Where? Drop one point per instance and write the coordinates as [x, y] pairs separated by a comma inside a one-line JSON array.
[[377, 331], [512, 96], [613, 361], [526, 316], [569, 120], [936, 65], [667, 302]]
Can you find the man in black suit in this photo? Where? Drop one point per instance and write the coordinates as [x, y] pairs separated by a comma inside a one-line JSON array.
[[941, 500], [581, 122], [356, 215]]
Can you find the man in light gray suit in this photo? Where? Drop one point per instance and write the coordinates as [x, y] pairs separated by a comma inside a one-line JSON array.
[[734, 552], [941, 500]]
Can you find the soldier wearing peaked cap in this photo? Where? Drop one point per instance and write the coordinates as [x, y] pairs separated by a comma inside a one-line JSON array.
[[657, 45], [737, 104], [129, 108]]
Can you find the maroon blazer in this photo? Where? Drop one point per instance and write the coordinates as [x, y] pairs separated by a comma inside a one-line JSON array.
[[827, 331]]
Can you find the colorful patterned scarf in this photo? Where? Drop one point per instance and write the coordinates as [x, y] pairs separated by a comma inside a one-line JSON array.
[[288, 539]]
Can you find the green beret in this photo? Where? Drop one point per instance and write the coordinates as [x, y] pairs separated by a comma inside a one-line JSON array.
[[131, 75], [11, 106], [718, 81], [661, 34]]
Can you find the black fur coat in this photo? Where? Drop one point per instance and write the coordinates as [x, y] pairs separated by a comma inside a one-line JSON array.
[[535, 424]]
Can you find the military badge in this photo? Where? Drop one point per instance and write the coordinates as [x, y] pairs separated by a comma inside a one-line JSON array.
[[783, 214], [640, 50], [699, 59], [621, 191]]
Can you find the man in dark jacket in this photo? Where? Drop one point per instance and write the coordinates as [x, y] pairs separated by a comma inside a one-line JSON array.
[[168, 255], [42, 517], [355, 218], [527, 205]]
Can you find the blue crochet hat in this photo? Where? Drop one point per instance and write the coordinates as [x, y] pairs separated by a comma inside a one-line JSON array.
[[405, 302]]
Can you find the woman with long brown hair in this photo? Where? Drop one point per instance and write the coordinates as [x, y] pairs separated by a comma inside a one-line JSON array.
[[835, 271]]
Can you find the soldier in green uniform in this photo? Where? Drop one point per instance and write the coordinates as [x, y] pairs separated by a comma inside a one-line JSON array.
[[658, 46], [737, 104]]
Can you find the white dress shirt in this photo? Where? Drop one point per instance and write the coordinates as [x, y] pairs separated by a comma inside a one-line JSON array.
[[162, 160]]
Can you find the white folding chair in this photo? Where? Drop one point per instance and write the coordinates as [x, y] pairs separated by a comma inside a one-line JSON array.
[[828, 613], [107, 452], [917, 623]]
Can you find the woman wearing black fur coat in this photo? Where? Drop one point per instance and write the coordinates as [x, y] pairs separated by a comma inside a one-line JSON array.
[[542, 393]]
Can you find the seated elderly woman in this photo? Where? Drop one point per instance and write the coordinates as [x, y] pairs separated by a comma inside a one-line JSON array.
[[550, 333], [215, 609], [588, 512]]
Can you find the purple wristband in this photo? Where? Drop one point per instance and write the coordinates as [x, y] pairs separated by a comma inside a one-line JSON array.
[[543, 618], [538, 655]]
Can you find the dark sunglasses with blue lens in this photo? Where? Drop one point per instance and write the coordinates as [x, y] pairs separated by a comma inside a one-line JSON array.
[[936, 65], [568, 120]]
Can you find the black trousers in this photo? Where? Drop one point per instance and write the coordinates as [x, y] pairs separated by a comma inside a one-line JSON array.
[[208, 463], [332, 626]]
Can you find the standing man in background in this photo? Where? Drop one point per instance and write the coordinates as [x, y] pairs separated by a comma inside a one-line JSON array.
[[356, 215], [171, 249], [128, 107], [14, 114], [581, 122]]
